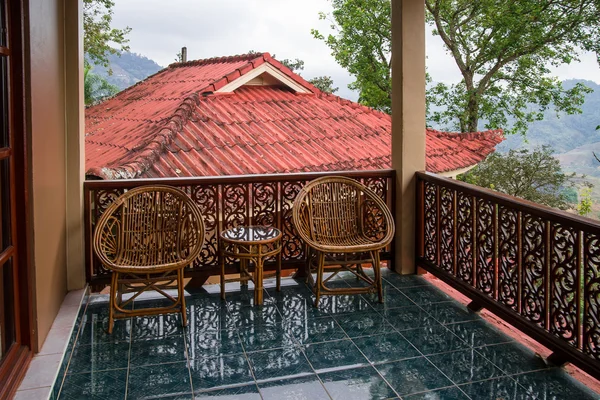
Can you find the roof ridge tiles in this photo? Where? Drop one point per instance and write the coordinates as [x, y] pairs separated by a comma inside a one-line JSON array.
[[220, 60]]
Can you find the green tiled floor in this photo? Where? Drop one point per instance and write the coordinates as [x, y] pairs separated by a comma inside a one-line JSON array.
[[419, 344]]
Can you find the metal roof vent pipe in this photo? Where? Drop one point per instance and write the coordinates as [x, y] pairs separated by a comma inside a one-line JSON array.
[[184, 54]]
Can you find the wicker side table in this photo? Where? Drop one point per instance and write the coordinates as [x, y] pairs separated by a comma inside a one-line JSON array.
[[250, 243]]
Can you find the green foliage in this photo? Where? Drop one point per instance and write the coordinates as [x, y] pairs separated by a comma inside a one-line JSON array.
[[536, 176], [96, 88], [504, 50], [296, 65], [99, 35], [570, 195], [324, 83], [362, 44], [585, 201]]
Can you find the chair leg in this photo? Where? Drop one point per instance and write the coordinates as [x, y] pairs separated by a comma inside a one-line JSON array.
[[319, 280], [377, 270], [113, 294], [181, 296]]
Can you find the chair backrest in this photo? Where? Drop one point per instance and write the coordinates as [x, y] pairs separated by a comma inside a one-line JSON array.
[[331, 209], [150, 226]]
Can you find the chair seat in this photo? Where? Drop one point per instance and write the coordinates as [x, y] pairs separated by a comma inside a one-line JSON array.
[[349, 244]]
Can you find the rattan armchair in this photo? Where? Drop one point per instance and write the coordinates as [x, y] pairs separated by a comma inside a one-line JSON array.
[[146, 238], [345, 224]]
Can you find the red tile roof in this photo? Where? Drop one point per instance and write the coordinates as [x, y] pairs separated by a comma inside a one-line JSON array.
[[173, 124]]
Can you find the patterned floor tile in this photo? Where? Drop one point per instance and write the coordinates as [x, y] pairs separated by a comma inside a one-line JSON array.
[[213, 343], [408, 318], [304, 388], [356, 384], [450, 312], [403, 281], [554, 384], [465, 366], [241, 316], [157, 327], [158, 351], [434, 339], [98, 385], [425, 294], [220, 372], [503, 388], [248, 392], [99, 357], [385, 348], [512, 358], [478, 333], [224, 342], [364, 324], [279, 364], [452, 393], [314, 330], [96, 331], [262, 337], [392, 298], [330, 355], [210, 317], [159, 381], [413, 376], [343, 304]]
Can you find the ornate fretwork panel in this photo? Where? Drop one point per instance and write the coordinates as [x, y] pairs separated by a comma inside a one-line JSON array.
[[564, 278], [464, 237], [591, 312], [447, 237], [534, 268], [205, 197], [508, 262], [430, 222], [293, 247], [486, 269]]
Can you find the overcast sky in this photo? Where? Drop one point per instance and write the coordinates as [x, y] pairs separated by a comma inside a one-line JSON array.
[[211, 28]]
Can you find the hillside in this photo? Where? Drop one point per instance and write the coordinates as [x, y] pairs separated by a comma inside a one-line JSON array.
[[564, 133], [128, 69]]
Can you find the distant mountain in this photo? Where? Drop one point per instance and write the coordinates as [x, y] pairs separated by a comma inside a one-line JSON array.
[[566, 132], [127, 69]]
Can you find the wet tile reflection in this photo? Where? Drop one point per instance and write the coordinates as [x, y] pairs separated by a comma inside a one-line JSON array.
[[419, 344]]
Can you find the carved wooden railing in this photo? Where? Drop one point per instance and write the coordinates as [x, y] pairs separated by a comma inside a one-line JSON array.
[[536, 267], [225, 202]]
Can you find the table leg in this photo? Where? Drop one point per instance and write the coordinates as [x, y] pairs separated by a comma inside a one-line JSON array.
[[258, 281]]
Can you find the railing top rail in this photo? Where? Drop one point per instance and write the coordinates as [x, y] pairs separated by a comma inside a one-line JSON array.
[[229, 179], [515, 203]]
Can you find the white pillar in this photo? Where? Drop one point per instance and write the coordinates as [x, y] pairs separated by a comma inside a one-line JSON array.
[[408, 120]]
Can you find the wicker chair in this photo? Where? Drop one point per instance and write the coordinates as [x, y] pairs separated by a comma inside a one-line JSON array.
[[344, 224], [146, 238]]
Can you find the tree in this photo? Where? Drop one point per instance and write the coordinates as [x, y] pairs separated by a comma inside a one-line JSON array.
[[98, 33], [296, 65], [503, 50], [585, 203], [362, 44], [96, 88], [536, 176], [324, 84]]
